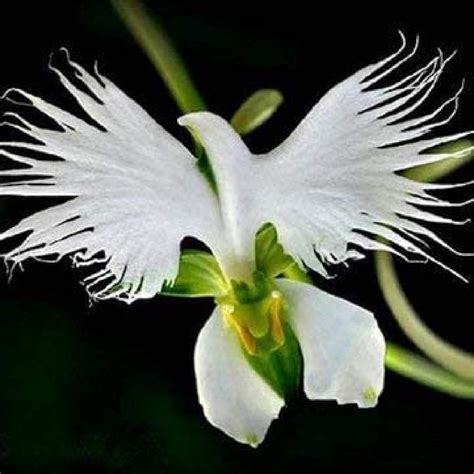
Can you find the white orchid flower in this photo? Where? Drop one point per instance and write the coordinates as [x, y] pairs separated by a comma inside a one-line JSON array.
[[329, 190]]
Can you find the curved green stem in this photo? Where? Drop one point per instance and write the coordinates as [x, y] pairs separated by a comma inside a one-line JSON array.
[[425, 372], [445, 354], [440, 169], [161, 52]]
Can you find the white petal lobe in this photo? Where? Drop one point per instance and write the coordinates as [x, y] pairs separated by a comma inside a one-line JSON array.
[[341, 165], [334, 185], [234, 397], [342, 346], [135, 191]]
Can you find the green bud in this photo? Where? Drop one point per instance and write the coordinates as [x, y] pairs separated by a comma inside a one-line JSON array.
[[256, 110]]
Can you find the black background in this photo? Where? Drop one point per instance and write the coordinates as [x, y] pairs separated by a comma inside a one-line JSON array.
[[110, 388]]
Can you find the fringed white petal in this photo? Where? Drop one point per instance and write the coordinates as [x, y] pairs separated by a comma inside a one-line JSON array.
[[334, 184], [330, 188], [234, 397], [135, 191], [339, 168]]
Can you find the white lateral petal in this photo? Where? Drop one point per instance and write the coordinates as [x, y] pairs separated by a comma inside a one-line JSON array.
[[342, 346], [136, 191], [335, 183], [234, 397], [342, 163]]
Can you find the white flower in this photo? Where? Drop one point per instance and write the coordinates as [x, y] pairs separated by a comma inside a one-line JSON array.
[[329, 189]]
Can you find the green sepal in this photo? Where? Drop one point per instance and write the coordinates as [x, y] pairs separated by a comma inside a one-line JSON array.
[[256, 110], [199, 276], [270, 257], [281, 368]]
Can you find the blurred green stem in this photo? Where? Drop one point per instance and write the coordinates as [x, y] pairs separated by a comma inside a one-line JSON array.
[[161, 52], [444, 353], [425, 372], [440, 169]]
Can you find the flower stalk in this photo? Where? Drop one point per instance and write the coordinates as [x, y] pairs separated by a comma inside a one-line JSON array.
[[445, 354], [427, 373], [154, 41], [440, 169]]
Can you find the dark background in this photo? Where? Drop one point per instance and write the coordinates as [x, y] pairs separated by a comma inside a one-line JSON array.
[[110, 388]]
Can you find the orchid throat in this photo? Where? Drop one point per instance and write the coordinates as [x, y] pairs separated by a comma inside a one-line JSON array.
[[255, 311]]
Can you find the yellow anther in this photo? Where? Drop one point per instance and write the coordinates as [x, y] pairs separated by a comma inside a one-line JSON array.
[[258, 325], [276, 328], [246, 338], [227, 310], [276, 296]]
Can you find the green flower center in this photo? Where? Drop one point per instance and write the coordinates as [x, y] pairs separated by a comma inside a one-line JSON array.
[[255, 312]]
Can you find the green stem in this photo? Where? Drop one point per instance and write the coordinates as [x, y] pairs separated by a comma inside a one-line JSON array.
[[445, 354], [161, 52], [425, 372], [440, 169]]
